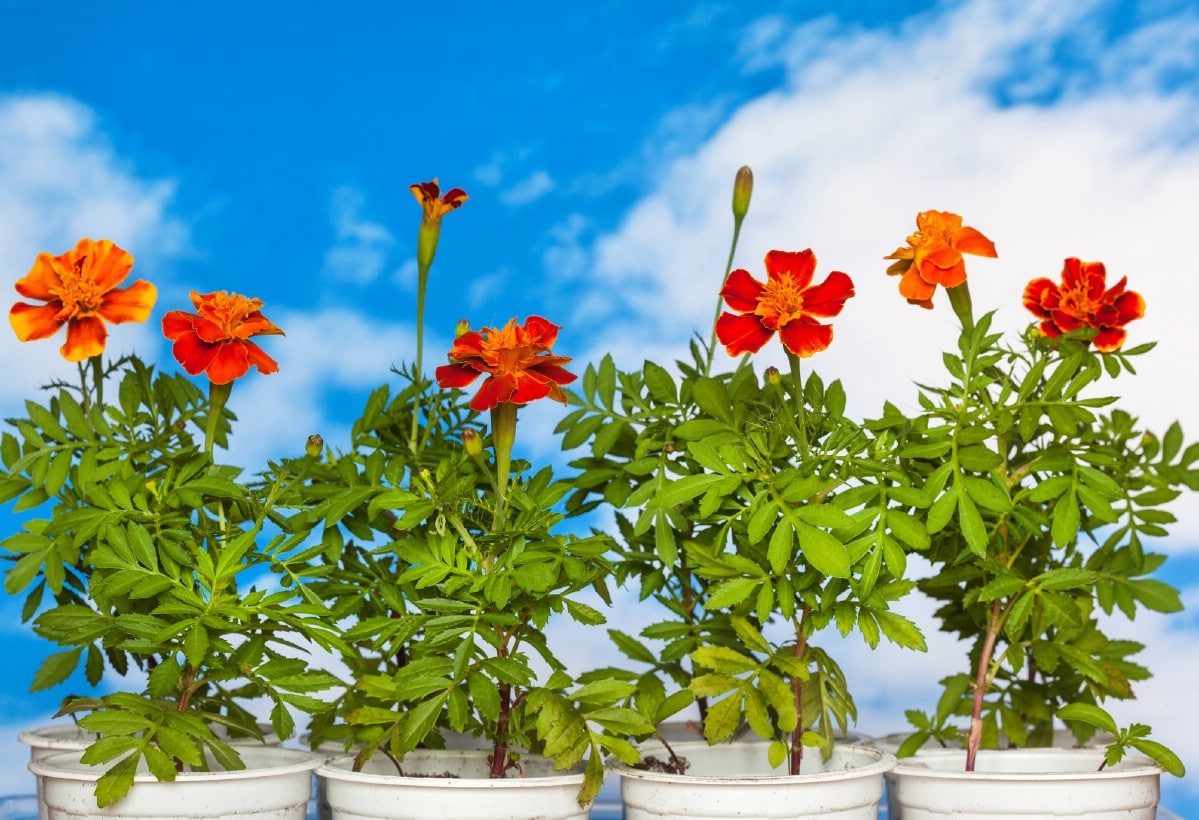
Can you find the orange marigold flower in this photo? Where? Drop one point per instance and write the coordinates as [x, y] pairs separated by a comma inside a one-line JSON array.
[[787, 302], [80, 290], [215, 339], [427, 194], [1083, 300], [518, 359], [934, 255]]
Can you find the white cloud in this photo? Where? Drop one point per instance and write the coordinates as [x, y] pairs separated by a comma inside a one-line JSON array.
[[529, 189], [361, 249], [872, 126], [61, 180]]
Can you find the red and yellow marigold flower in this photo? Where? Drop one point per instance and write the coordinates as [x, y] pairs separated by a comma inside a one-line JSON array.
[[80, 290], [1084, 300], [934, 255], [787, 303], [518, 361], [428, 194], [215, 340]]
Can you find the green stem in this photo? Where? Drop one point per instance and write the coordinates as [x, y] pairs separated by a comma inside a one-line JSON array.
[[959, 299], [503, 436], [728, 267], [218, 396], [797, 400]]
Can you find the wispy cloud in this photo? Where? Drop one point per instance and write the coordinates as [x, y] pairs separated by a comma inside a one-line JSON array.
[[529, 189], [361, 248]]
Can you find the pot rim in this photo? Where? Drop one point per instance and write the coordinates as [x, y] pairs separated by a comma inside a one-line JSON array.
[[59, 766], [341, 768], [1131, 766], [882, 763]]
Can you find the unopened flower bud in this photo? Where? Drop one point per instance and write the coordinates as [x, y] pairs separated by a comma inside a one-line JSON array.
[[773, 376], [314, 446], [472, 442], [743, 187], [463, 327]]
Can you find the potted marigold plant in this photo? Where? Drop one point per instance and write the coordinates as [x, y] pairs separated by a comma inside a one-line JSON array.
[[761, 516], [153, 556], [1037, 496], [457, 550]]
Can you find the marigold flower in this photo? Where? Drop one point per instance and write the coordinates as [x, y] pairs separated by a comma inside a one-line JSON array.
[[427, 194], [215, 339], [934, 255], [787, 302], [518, 359], [1083, 300], [80, 290]]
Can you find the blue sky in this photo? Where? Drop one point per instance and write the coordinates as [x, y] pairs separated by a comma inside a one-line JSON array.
[[269, 150]]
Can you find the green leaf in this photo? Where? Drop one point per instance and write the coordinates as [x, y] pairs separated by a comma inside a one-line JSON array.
[[1164, 756], [973, 528], [782, 544], [713, 398], [1089, 714], [56, 669], [1065, 520], [724, 716], [730, 593], [723, 659], [824, 552]]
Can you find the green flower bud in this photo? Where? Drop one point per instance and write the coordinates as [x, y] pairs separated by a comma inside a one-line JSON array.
[[314, 446], [773, 376], [472, 442], [743, 187], [462, 327]]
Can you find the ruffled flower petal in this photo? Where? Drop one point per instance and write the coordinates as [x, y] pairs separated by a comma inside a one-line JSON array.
[[805, 338], [32, 322], [1083, 300], [85, 338]]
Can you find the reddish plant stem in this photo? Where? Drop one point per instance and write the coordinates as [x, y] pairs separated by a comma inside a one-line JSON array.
[[980, 684], [499, 752], [801, 645]]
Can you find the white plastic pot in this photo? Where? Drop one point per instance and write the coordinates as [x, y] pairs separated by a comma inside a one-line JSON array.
[[275, 784], [1024, 783], [44, 741], [449, 785], [736, 780]]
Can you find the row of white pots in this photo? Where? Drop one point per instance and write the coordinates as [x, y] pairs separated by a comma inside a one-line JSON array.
[[724, 781]]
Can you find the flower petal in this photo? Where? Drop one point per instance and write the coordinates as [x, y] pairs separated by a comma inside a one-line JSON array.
[[969, 240], [194, 354], [32, 322], [803, 338], [455, 375], [943, 266], [1041, 296], [85, 338], [131, 304], [913, 287], [43, 280], [256, 356], [741, 333], [230, 361], [828, 298], [175, 323], [106, 264], [801, 265], [742, 291]]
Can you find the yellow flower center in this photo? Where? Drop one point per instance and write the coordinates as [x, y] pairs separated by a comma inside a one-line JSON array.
[[781, 301], [78, 292]]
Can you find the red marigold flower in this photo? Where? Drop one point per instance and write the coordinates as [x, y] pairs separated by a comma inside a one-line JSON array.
[[427, 194], [80, 290], [1082, 301], [215, 339], [518, 359], [934, 255], [787, 302]]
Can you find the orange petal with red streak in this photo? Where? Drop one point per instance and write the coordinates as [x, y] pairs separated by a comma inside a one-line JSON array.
[[32, 322]]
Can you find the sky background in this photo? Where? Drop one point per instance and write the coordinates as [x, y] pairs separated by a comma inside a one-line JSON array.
[[268, 150]]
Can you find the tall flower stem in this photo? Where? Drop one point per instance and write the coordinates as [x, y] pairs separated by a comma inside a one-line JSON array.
[[797, 402], [959, 299], [981, 683], [742, 189], [218, 396], [503, 436]]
